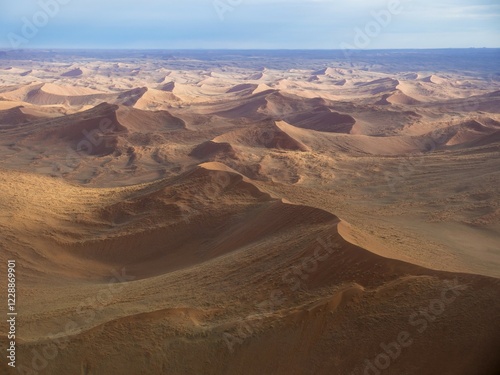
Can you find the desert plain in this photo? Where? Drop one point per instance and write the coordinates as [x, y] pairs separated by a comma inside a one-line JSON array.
[[252, 212]]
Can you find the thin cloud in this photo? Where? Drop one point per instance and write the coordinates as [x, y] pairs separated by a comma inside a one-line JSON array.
[[255, 24]]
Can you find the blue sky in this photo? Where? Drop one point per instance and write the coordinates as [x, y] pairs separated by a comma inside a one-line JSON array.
[[233, 24]]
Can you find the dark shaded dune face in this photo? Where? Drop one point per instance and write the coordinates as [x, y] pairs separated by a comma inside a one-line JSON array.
[[279, 105], [169, 87], [245, 87], [490, 139], [323, 120], [474, 125], [136, 120], [101, 130], [411, 76], [320, 72], [256, 76], [489, 122], [250, 108], [129, 98], [93, 132], [280, 140], [73, 73], [266, 135], [383, 100], [14, 116], [471, 132], [209, 150], [270, 136]]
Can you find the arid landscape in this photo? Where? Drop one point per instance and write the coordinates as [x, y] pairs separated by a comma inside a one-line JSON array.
[[252, 212]]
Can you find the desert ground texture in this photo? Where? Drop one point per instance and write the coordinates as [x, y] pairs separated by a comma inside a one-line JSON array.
[[252, 212]]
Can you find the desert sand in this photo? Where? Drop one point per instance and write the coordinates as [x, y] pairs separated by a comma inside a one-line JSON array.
[[185, 213]]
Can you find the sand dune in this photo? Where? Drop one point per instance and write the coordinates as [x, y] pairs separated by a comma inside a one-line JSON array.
[[411, 76], [380, 85], [137, 120], [416, 90], [69, 90], [256, 77], [333, 72], [324, 120], [249, 107], [20, 92], [156, 99], [469, 131], [434, 79], [266, 135], [398, 98], [102, 124], [489, 139], [261, 88], [282, 105], [51, 94], [208, 150], [341, 82], [14, 116], [246, 88], [169, 86]]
